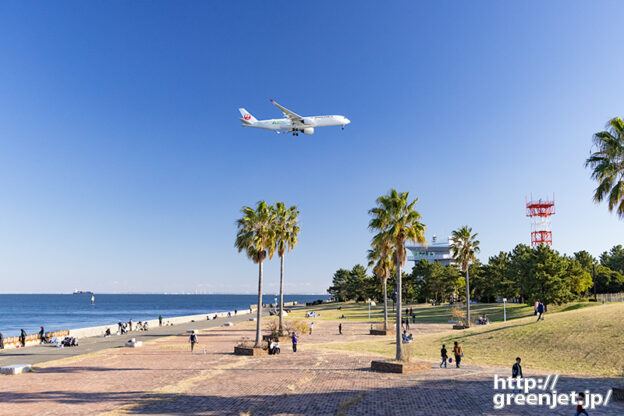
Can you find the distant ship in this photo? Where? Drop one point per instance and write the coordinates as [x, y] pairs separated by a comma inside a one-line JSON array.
[[83, 292]]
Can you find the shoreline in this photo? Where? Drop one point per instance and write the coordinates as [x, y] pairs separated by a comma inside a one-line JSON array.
[[100, 330]]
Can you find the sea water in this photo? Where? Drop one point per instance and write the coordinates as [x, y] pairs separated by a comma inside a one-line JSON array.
[[60, 312]]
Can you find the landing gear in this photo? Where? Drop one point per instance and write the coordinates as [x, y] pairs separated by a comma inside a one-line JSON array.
[[343, 126]]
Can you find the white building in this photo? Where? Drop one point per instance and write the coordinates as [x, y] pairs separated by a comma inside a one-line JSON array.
[[439, 251]]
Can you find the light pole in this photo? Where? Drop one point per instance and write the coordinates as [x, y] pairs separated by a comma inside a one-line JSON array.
[[504, 309], [370, 303]]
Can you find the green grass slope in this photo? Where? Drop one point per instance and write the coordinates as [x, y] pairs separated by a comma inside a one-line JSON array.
[[578, 340]]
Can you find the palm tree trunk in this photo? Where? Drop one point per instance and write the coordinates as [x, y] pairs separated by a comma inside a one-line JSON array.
[[281, 309], [399, 318], [467, 299], [259, 313], [385, 304]]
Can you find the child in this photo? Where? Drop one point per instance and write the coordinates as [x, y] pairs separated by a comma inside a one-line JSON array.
[[579, 406], [444, 356], [516, 372]]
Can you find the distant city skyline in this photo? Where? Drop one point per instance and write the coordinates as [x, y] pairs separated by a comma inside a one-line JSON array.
[[123, 166]]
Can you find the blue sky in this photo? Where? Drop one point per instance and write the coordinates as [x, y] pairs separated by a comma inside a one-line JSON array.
[[123, 166]]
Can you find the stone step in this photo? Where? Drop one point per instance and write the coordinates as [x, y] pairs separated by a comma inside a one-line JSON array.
[[15, 369]]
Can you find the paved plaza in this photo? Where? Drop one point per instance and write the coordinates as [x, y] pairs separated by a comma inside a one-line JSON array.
[[163, 378]]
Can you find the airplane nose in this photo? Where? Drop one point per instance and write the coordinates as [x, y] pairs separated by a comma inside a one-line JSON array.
[[347, 121]]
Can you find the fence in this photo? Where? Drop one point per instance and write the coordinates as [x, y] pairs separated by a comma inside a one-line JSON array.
[[610, 297]]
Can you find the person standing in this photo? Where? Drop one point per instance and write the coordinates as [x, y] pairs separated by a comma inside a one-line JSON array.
[[294, 341], [1, 341], [159, 320], [130, 325], [340, 328], [193, 340], [22, 337], [235, 312], [444, 356], [459, 353], [42, 335], [516, 372], [311, 327]]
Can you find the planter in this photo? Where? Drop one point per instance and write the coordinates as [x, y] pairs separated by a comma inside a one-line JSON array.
[[381, 332], [618, 394], [248, 351], [460, 327], [398, 367]]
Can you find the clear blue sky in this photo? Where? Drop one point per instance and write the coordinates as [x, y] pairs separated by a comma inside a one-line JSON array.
[[123, 166]]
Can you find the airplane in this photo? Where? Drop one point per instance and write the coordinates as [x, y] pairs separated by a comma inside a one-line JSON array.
[[293, 123]]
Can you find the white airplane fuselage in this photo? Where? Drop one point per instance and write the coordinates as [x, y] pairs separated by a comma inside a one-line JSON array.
[[312, 121], [292, 122]]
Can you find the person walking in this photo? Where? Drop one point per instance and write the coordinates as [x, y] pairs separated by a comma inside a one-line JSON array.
[[407, 323], [340, 328], [193, 340], [22, 337], [42, 335], [444, 356], [159, 320], [294, 341], [540, 311], [1, 341], [459, 353], [579, 405]]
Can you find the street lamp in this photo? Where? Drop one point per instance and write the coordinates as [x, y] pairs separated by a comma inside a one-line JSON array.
[[370, 303], [504, 309]]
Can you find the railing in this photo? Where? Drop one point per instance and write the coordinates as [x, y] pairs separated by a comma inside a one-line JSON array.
[[610, 297]]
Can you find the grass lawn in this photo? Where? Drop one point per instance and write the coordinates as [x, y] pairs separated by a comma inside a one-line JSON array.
[[424, 313], [578, 340]]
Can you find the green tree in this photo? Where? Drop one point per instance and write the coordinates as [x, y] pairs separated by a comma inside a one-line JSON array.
[[607, 163], [464, 246], [286, 238], [614, 259], [607, 280], [396, 221], [340, 285], [256, 236]]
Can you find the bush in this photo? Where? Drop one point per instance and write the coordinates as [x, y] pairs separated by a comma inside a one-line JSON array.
[[245, 343]]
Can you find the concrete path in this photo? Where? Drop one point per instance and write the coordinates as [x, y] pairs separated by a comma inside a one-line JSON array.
[[35, 354], [165, 378]]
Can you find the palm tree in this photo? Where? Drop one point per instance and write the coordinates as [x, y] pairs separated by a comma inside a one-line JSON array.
[[286, 231], [396, 222], [464, 246], [608, 165], [380, 258], [256, 236]]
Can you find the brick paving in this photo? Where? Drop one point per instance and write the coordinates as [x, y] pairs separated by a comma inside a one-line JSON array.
[[164, 378]]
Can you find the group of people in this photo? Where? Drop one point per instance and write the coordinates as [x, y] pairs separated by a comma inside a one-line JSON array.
[[406, 339], [458, 351], [483, 320]]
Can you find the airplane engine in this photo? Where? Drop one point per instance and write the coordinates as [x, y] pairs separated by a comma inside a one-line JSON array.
[[307, 121], [308, 130]]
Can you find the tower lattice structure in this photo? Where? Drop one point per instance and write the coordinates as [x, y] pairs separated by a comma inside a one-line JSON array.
[[540, 212]]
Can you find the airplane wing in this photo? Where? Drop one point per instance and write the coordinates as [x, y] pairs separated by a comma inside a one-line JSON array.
[[295, 118]]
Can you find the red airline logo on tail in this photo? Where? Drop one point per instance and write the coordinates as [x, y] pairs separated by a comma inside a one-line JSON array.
[[247, 116]]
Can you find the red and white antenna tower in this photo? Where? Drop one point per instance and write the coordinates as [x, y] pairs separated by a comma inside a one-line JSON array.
[[540, 211]]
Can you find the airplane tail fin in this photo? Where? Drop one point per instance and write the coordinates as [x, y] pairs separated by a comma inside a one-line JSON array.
[[247, 118]]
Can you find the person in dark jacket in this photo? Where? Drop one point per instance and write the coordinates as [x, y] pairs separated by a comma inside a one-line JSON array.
[[22, 337], [516, 372], [540, 311], [444, 356], [1, 341]]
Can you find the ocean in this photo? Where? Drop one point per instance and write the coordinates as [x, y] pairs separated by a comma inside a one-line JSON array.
[[60, 312]]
